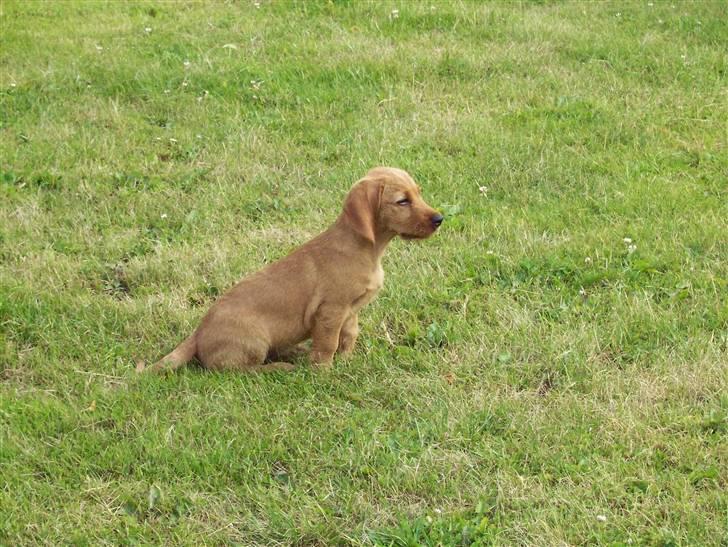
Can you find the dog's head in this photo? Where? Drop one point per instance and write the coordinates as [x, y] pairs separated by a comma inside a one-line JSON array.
[[387, 202]]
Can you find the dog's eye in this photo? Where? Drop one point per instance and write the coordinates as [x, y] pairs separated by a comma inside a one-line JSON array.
[[403, 201]]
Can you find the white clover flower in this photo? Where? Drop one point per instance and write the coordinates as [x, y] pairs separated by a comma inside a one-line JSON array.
[[631, 249], [256, 4], [173, 140], [601, 518], [587, 260], [147, 29], [164, 215], [99, 48], [187, 63], [582, 292], [627, 240], [394, 14], [483, 189]]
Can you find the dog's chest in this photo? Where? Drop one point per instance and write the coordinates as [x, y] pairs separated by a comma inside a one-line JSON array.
[[376, 280]]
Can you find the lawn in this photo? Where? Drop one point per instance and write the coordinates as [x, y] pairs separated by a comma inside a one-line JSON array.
[[551, 368]]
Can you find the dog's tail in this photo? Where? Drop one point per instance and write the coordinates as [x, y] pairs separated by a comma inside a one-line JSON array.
[[179, 356]]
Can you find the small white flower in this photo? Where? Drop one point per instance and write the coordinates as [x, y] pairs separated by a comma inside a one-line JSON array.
[[650, 4], [99, 48], [187, 63], [483, 189], [582, 292], [489, 252], [164, 215], [660, 21], [198, 136], [166, 91], [438, 511], [255, 84], [147, 29], [631, 249], [601, 518], [627, 240], [394, 14], [12, 84], [588, 260], [185, 84], [256, 4], [619, 14], [158, 139], [173, 140]]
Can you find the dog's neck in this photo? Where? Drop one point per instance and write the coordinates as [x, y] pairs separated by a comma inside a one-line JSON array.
[[373, 249], [381, 240]]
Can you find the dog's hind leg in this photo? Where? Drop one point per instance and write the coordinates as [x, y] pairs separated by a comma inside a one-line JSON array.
[[230, 351], [286, 354]]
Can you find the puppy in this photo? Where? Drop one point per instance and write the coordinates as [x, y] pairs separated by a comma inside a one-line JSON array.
[[316, 291]]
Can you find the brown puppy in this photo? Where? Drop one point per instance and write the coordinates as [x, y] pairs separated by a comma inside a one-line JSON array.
[[316, 291]]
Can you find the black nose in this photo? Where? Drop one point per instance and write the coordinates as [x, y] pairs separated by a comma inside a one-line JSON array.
[[437, 220]]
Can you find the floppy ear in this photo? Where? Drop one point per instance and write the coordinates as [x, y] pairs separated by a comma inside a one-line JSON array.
[[361, 207]]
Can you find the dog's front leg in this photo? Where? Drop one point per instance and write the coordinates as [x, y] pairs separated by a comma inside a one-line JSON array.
[[325, 335], [348, 334]]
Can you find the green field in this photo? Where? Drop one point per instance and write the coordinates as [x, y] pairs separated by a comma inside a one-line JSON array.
[[551, 368]]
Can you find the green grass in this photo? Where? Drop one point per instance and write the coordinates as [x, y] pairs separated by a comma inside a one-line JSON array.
[[525, 377]]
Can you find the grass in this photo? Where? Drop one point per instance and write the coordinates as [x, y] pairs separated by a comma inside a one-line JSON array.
[[551, 368]]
